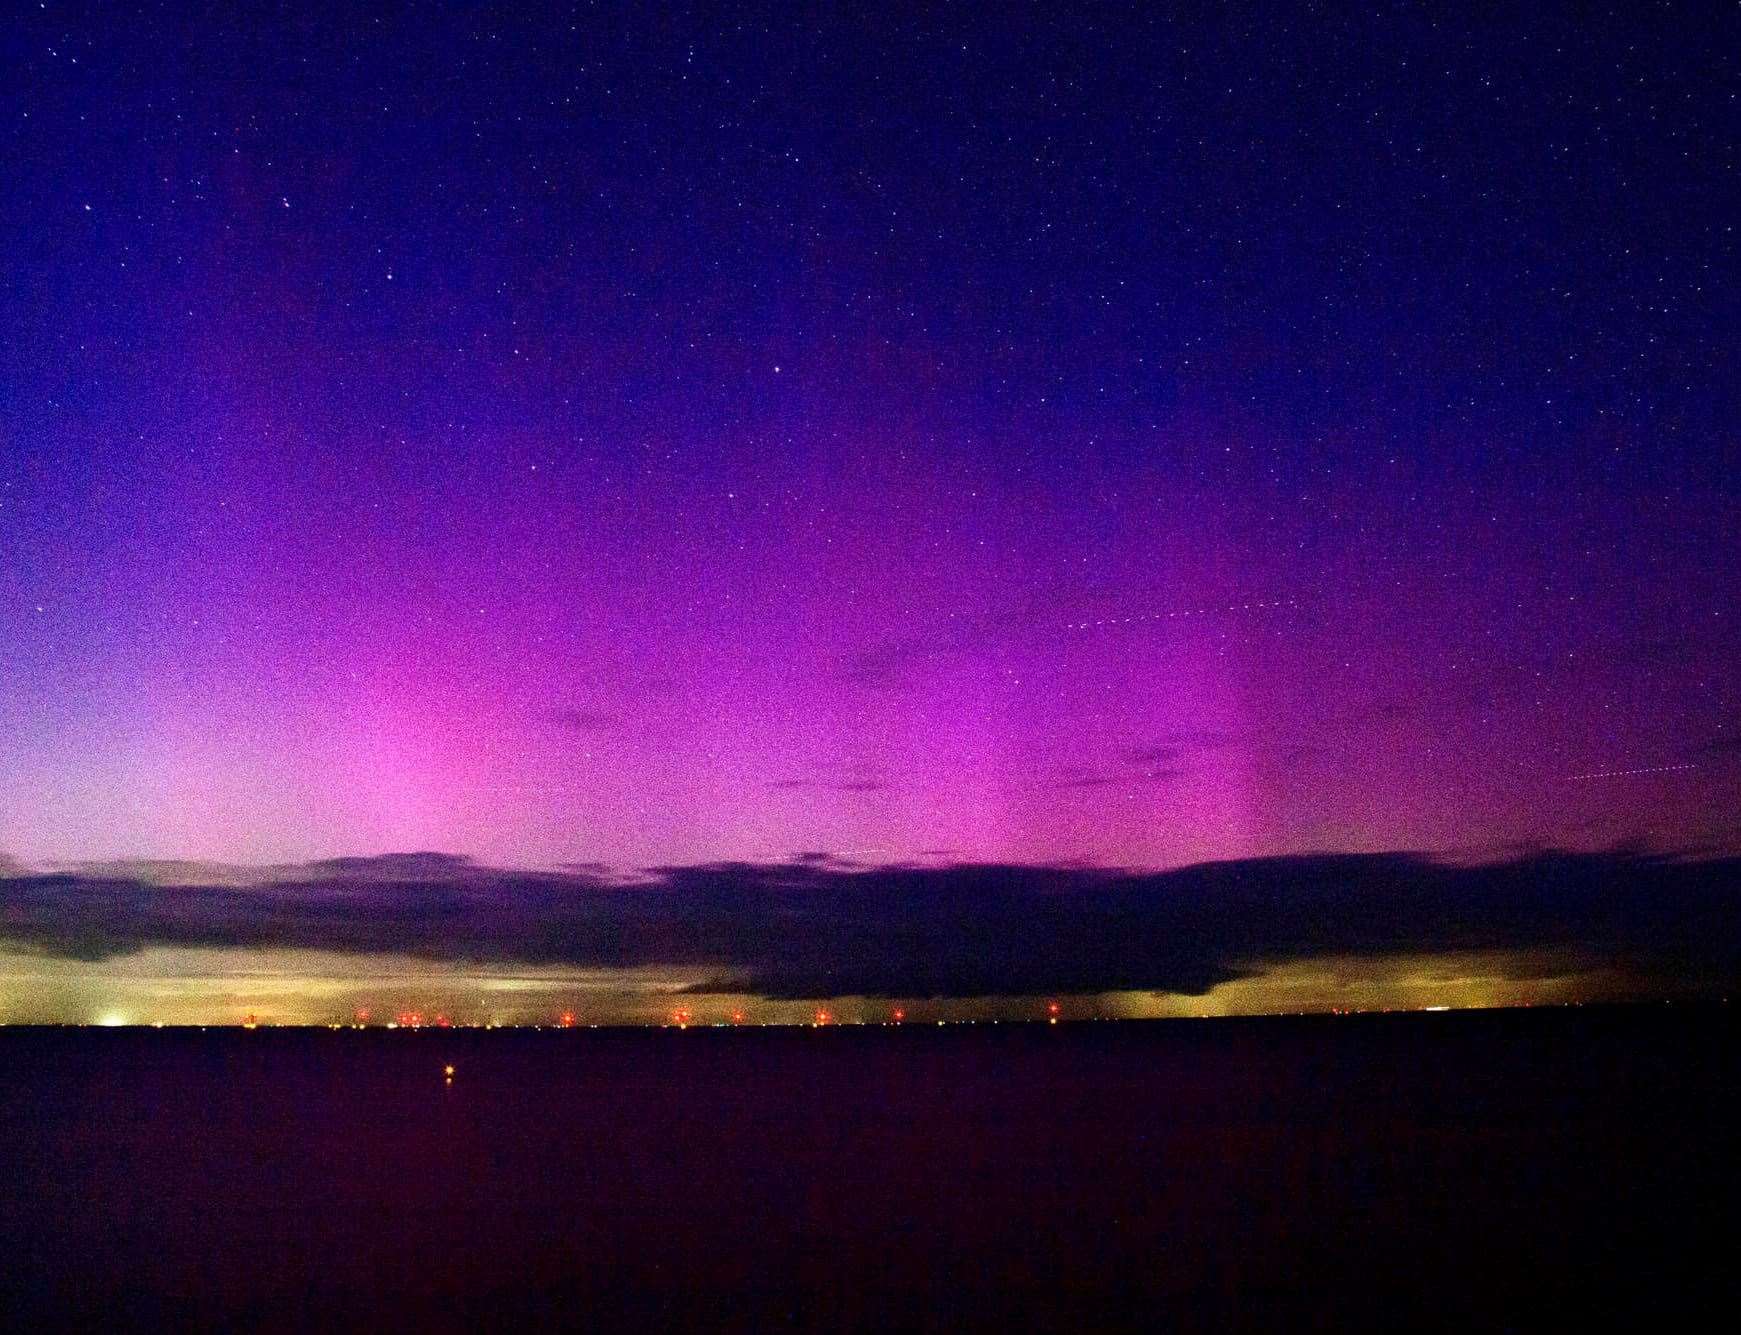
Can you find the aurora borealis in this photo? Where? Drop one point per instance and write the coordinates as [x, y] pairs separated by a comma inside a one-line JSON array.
[[1077, 438]]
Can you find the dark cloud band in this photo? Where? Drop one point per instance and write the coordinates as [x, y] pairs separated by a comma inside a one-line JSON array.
[[820, 927]]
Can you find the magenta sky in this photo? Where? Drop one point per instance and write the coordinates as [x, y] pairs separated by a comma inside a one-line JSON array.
[[562, 445], [551, 664]]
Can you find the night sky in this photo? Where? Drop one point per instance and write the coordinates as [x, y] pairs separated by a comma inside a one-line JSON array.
[[951, 450]]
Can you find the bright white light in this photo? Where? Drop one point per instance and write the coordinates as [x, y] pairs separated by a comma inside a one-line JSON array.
[[111, 1019]]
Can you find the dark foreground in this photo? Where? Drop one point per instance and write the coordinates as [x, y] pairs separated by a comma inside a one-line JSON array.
[[1470, 1171]]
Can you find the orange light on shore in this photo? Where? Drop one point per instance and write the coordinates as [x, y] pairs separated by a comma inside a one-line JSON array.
[[447, 1071], [567, 1020], [737, 1017], [822, 1018], [899, 1015]]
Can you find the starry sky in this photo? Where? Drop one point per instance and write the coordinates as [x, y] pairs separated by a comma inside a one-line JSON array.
[[1051, 436]]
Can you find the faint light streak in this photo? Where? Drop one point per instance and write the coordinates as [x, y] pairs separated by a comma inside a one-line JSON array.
[[1622, 773], [1181, 613]]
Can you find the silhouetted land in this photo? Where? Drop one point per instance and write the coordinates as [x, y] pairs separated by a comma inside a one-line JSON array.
[[1474, 1171]]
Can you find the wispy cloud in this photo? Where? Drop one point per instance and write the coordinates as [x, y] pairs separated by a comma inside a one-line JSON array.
[[1118, 778]]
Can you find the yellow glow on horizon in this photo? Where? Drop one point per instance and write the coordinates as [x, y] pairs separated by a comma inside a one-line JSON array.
[[220, 987]]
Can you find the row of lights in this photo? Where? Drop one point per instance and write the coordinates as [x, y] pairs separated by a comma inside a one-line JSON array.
[[680, 1019]]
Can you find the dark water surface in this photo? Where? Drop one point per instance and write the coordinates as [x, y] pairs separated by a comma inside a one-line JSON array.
[[1471, 1171]]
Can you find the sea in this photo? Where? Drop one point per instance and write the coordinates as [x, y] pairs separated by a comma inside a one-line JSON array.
[[1499, 1170]]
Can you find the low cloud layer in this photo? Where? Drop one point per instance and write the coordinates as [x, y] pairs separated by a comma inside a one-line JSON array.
[[819, 927]]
